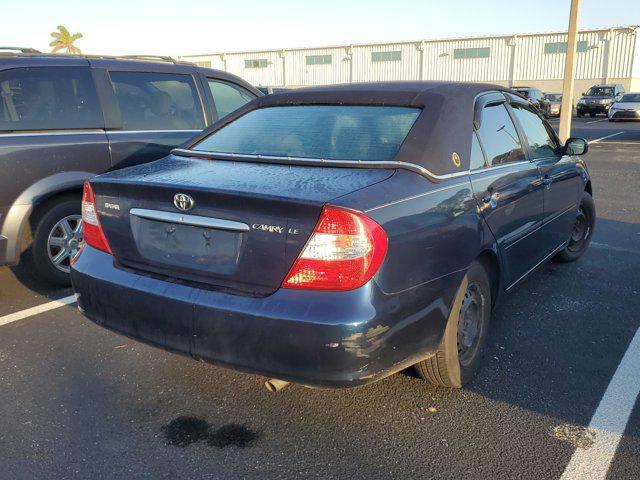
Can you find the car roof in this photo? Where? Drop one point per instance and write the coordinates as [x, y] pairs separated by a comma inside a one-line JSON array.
[[407, 94], [443, 128], [127, 62]]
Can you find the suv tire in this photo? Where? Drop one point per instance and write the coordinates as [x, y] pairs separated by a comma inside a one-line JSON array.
[[55, 232], [460, 352]]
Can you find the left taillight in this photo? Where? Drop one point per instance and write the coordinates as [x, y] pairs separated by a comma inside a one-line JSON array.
[[91, 229], [344, 252]]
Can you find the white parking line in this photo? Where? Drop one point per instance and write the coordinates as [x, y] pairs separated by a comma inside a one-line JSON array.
[[609, 420], [603, 138], [599, 120], [45, 307]]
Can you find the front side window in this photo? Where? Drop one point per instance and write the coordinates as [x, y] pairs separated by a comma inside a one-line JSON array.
[[228, 96], [48, 98], [542, 143], [499, 136], [157, 101], [333, 132]]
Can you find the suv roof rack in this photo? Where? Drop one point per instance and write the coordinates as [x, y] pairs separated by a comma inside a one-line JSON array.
[[162, 58], [20, 49], [17, 51]]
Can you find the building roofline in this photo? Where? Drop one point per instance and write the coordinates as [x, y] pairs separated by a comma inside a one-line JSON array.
[[404, 42]]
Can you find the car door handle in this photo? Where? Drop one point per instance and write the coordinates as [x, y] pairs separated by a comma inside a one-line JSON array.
[[491, 198]]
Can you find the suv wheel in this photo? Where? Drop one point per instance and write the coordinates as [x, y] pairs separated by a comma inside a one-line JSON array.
[[57, 238], [460, 351]]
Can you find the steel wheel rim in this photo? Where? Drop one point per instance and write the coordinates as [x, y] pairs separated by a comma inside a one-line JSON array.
[[64, 241], [580, 232], [470, 324]]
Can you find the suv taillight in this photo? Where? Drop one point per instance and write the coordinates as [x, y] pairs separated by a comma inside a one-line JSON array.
[[344, 251], [91, 229]]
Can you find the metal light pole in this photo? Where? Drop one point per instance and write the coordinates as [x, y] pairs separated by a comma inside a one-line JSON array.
[[569, 73]]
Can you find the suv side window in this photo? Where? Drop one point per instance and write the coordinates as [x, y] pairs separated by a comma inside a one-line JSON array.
[[157, 101], [48, 98], [228, 96], [542, 143], [499, 136]]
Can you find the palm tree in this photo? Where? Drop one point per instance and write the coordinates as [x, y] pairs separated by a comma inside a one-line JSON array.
[[62, 39]]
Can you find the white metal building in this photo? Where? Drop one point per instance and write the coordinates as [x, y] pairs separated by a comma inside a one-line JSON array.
[[533, 59]]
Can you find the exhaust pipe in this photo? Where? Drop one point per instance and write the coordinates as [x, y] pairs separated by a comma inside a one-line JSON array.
[[274, 385]]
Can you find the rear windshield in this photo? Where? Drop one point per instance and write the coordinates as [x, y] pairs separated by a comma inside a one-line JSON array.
[[554, 97], [631, 97], [333, 132]]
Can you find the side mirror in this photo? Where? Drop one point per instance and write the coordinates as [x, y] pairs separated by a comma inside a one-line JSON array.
[[576, 146]]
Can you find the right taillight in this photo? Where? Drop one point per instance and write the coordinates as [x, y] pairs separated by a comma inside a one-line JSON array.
[[344, 251], [92, 232]]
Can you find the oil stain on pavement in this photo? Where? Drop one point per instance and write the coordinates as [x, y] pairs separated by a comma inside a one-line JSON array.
[[184, 431]]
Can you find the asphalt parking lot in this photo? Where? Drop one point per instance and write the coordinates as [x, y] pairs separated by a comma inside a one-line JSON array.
[[80, 402]]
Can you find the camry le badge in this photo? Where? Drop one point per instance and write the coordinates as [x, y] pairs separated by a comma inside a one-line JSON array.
[[183, 202]]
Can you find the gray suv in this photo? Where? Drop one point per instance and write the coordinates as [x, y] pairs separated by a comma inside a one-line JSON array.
[[64, 119]]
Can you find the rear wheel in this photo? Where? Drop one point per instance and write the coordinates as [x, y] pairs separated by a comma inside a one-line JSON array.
[[460, 352], [592, 115], [582, 230], [56, 239]]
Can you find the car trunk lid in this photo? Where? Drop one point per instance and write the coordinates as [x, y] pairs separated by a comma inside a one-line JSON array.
[[247, 225]]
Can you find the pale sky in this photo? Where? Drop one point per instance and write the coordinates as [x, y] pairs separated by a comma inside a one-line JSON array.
[[179, 27]]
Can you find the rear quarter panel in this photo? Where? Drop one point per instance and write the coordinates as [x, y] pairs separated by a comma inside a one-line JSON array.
[[435, 232]]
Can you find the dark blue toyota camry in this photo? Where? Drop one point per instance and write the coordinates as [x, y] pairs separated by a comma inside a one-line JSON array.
[[332, 236]]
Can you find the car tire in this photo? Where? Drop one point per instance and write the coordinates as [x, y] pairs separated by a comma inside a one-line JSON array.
[[459, 354], [50, 229], [582, 231], [612, 120], [579, 114], [592, 115]]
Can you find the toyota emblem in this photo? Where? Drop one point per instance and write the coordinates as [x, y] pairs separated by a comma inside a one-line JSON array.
[[183, 202]]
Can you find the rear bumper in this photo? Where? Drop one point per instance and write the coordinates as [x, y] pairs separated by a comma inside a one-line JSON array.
[[326, 339]]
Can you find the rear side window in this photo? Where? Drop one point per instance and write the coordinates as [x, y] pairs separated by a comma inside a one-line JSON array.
[[338, 132], [48, 98], [157, 101], [499, 136], [542, 143], [477, 161], [228, 96]]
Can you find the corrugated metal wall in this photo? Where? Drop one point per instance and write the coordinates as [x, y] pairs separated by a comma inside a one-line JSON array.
[[512, 60]]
